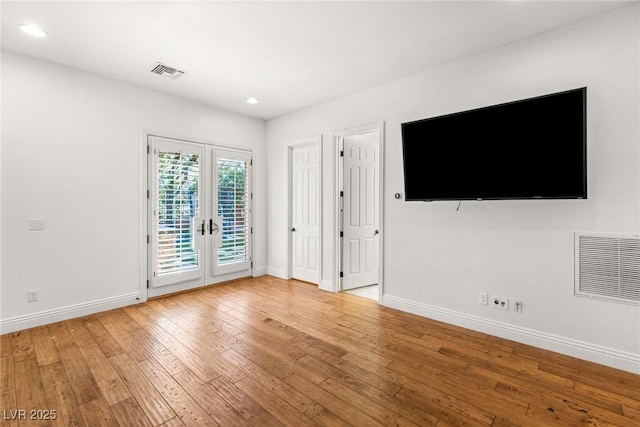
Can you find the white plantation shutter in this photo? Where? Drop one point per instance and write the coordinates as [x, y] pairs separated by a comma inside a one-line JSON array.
[[233, 211], [177, 204]]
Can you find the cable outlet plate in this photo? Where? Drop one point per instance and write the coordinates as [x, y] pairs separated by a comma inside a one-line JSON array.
[[500, 303], [32, 295], [517, 306]]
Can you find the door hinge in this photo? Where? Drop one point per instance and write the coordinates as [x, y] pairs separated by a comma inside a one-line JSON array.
[[147, 284], [341, 153], [342, 234], [251, 196], [147, 194], [342, 194], [251, 230], [148, 239], [148, 149], [251, 264], [341, 274], [250, 162]]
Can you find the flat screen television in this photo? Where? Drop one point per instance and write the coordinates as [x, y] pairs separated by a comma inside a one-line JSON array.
[[529, 149]]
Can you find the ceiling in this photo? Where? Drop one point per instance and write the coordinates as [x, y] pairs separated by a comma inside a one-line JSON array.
[[289, 55]]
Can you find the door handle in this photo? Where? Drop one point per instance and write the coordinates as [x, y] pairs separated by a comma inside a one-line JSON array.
[[213, 227], [202, 229], [293, 229], [375, 233]]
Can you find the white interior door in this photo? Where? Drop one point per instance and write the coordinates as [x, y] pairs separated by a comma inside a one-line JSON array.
[[360, 224], [305, 221], [199, 215]]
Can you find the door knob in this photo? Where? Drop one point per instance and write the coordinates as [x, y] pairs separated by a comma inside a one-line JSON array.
[[375, 233], [293, 229]]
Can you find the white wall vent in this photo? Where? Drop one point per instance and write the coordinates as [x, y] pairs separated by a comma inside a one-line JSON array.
[[165, 70], [608, 266]]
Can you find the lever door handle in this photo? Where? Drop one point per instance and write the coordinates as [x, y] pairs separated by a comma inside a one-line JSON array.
[[202, 229]]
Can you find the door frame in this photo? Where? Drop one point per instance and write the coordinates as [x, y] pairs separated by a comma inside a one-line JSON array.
[[145, 202], [338, 136], [317, 141]]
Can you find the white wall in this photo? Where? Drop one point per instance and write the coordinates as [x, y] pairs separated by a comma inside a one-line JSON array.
[[71, 153], [437, 260]]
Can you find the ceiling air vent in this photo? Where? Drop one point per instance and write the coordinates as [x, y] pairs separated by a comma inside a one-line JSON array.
[[608, 266], [166, 71]]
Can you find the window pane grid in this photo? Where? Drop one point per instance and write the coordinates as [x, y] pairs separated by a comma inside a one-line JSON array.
[[233, 209], [177, 205]]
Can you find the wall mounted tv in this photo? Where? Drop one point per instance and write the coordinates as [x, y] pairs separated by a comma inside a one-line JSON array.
[[529, 149]]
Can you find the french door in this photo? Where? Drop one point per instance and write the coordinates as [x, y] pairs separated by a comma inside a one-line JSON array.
[[199, 214]]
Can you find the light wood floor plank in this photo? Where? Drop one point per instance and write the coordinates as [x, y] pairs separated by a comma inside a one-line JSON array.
[[22, 343], [281, 409], [28, 386], [107, 379], [77, 329], [45, 346], [81, 379], [7, 389], [354, 415], [148, 344], [153, 405], [221, 411], [97, 414], [109, 346], [128, 413], [60, 395], [245, 405], [302, 403], [270, 352], [6, 345], [187, 409]]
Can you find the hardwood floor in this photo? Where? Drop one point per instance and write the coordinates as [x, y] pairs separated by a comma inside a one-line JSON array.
[[269, 352]]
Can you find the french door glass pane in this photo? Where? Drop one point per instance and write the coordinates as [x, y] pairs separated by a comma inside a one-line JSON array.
[[233, 209], [178, 204]]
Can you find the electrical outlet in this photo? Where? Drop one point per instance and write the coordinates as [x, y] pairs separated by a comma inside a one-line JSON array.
[[501, 303], [37, 224], [483, 298], [32, 295], [517, 306]]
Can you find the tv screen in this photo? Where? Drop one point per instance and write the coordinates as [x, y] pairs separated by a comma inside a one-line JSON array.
[[529, 149]]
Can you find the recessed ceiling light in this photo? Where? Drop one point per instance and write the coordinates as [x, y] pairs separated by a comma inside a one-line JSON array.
[[251, 101], [33, 30]]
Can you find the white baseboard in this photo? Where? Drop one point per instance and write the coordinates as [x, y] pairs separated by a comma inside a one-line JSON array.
[[280, 273], [46, 317], [260, 271], [570, 347]]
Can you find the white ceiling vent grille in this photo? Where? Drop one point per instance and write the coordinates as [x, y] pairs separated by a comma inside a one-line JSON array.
[[166, 71], [608, 266]]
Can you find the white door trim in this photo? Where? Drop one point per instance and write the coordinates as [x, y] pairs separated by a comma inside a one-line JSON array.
[[337, 138], [317, 141]]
